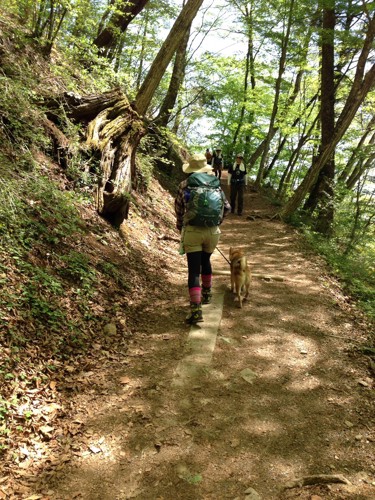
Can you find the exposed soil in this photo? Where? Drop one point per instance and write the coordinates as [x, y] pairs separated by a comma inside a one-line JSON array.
[[304, 408]]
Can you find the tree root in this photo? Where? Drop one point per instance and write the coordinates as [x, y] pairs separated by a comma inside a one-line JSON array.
[[316, 479]]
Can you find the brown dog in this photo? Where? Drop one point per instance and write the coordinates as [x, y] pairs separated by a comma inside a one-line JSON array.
[[240, 275]]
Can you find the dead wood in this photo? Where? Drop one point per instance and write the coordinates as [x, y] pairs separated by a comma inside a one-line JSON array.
[[266, 277], [316, 479], [169, 238], [86, 108], [60, 144]]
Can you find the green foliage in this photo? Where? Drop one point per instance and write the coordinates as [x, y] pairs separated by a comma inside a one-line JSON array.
[[356, 270], [35, 210], [19, 122], [78, 267], [115, 274], [145, 168]]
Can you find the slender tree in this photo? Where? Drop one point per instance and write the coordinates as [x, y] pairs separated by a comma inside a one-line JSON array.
[[323, 190], [282, 65], [363, 82], [175, 83]]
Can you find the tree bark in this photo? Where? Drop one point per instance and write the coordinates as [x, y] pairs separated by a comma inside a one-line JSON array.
[[108, 36], [115, 133], [178, 75], [323, 191]]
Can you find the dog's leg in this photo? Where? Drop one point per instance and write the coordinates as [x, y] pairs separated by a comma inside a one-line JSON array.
[[239, 289], [247, 286]]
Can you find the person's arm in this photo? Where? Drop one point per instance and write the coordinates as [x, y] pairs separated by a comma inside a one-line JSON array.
[[230, 170], [227, 206]]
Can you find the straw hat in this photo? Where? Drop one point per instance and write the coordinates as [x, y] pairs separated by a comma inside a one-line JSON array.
[[197, 163]]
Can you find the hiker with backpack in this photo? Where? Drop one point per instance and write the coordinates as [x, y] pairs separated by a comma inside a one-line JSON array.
[[217, 162], [237, 180], [200, 206], [208, 156]]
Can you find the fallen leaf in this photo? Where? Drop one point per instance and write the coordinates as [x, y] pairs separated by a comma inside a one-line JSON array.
[[94, 449], [46, 430], [124, 380]]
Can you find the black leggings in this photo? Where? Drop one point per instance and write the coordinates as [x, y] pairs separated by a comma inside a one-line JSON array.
[[198, 263]]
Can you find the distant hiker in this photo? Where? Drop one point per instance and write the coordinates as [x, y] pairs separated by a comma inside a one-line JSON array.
[[200, 206], [237, 180], [208, 156], [217, 162]]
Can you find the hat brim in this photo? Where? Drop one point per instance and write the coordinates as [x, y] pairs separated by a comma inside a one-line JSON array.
[[187, 169]]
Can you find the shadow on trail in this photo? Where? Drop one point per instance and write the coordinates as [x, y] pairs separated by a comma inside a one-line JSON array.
[[220, 433]]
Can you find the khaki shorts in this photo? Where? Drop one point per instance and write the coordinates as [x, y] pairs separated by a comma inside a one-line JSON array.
[[198, 238]]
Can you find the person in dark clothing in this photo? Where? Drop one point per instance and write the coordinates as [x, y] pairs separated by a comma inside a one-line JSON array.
[[237, 180], [217, 162]]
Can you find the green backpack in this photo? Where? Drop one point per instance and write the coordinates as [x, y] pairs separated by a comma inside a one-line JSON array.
[[204, 201]]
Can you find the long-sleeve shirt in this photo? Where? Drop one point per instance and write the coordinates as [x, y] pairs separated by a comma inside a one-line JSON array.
[[180, 205]]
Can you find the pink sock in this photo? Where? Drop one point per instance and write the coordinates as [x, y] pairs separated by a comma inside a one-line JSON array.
[[206, 280], [195, 295]]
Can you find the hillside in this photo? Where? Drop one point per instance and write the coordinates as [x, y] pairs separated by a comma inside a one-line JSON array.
[[105, 392]]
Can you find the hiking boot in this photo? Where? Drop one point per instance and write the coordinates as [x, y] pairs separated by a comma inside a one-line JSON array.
[[206, 295], [195, 315]]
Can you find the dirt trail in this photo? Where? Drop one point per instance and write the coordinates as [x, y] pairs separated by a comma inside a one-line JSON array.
[[303, 408]]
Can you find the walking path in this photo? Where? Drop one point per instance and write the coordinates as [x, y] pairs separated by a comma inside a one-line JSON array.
[[239, 407]]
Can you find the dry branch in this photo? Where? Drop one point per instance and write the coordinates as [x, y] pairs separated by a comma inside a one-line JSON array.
[[255, 275], [317, 479]]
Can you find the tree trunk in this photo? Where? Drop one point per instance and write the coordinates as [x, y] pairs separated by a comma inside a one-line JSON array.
[[117, 128], [271, 130], [113, 134], [177, 78], [249, 71], [348, 170], [362, 84], [124, 13], [323, 190], [165, 54]]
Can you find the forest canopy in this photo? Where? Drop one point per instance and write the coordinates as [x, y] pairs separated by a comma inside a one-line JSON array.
[[288, 84]]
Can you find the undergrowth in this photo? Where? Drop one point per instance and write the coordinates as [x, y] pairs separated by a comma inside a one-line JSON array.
[[355, 270]]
